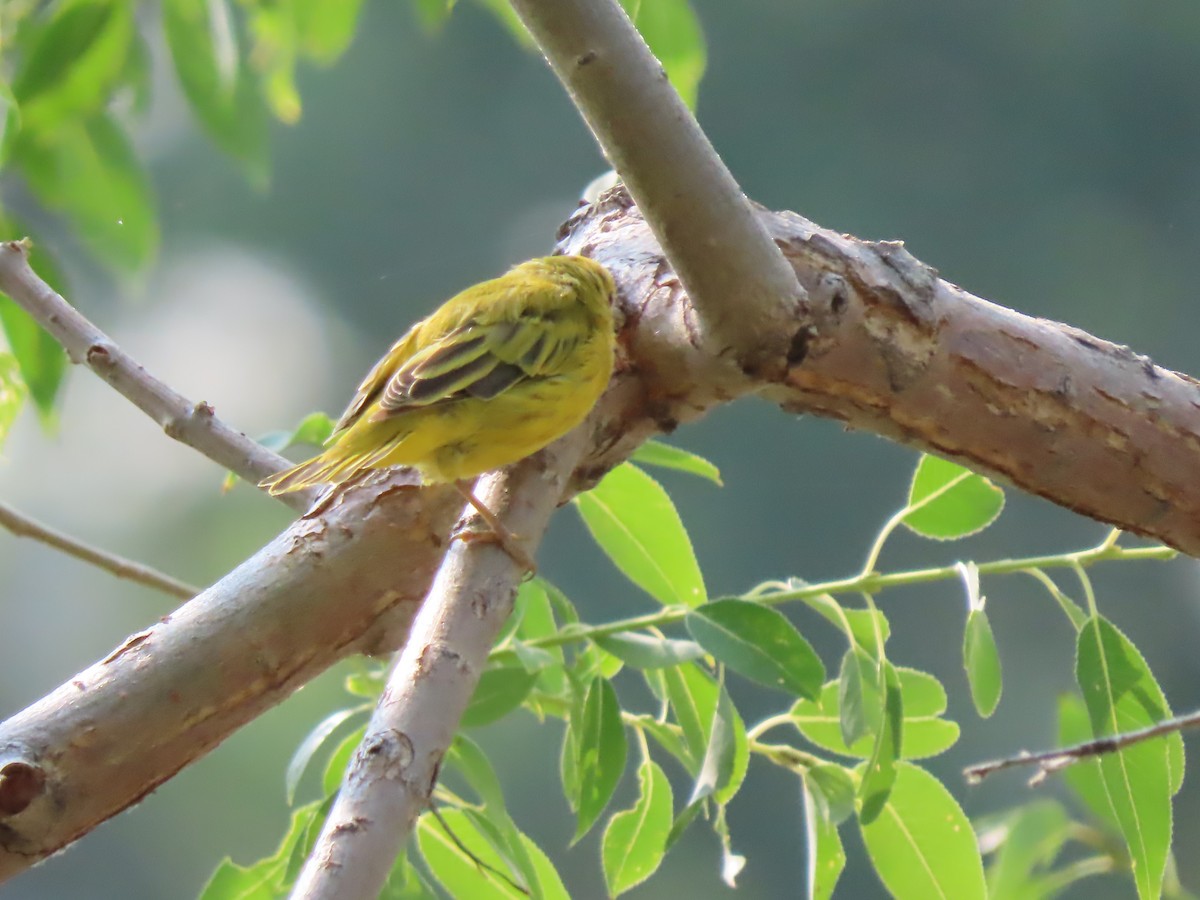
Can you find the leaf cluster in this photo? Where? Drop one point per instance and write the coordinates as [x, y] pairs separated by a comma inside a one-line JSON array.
[[651, 693]]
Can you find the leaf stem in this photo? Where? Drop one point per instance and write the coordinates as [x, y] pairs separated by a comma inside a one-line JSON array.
[[869, 583]]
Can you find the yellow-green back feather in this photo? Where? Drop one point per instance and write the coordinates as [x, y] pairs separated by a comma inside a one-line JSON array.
[[495, 374]]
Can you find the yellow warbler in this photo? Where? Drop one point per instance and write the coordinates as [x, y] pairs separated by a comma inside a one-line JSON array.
[[495, 374]]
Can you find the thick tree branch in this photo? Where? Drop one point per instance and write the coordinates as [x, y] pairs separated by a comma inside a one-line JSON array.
[[889, 347], [392, 775], [22, 525], [740, 286], [327, 587], [189, 423]]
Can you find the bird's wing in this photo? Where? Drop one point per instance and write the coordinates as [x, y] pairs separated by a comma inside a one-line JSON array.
[[483, 359], [375, 382]]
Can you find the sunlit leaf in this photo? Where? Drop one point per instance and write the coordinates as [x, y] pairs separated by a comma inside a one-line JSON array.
[[601, 749], [878, 774], [636, 839], [924, 732], [981, 659], [1122, 695], [921, 844], [266, 879], [826, 857], [634, 521], [339, 760], [673, 32], [312, 744], [454, 861], [656, 453], [965, 504]]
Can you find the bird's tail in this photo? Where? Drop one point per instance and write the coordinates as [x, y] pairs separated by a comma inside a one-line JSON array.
[[334, 466]]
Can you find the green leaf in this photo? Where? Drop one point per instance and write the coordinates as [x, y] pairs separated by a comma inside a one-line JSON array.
[[826, 857], [339, 759], [1121, 695], [644, 651], [89, 172], [266, 879], [966, 503], [1025, 842], [758, 642], [1084, 776], [656, 453], [501, 689], [10, 120], [467, 758], [692, 696], [453, 861], [921, 844], [673, 32], [405, 882], [73, 64], [313, 430], [837, 789], [216, 80], [601, 748], [12, 393], [923, 734], [981, 659], [42, 360], [860, 700], [879, 771], [634, 522], [717, 770], [325, 28], [636, 839], [312, 743], [671, 741]]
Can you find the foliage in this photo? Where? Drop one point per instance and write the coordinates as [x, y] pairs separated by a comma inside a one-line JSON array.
[[855, 741], [647, 693]]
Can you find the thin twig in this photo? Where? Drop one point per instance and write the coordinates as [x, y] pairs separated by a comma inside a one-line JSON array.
[[193, 424], [1051, 761], [23, 526]]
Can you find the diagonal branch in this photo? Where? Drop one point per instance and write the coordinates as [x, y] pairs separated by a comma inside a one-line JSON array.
[[389, 782], [190, 423], [705, 224], [23, 526]]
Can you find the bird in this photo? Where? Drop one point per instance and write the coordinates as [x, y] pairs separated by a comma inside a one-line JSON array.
[[495, 374]]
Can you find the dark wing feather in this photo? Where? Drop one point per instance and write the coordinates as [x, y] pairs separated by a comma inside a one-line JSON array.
[[482, 360]]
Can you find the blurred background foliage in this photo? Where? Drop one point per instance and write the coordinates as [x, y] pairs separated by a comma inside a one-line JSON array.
[[1045, 156]]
